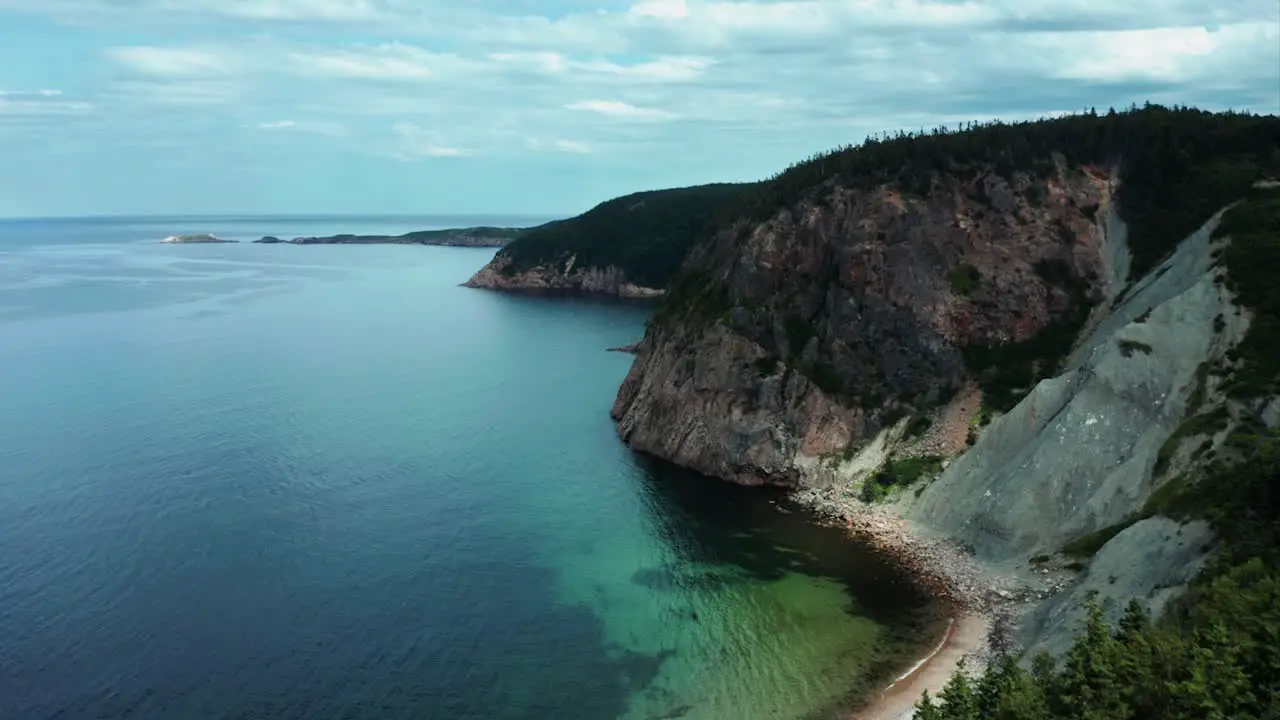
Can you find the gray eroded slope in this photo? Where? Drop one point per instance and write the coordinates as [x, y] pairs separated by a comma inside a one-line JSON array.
[[1077, 454]]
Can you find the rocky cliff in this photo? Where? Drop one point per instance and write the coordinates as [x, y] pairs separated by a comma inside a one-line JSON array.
[[568, 276], [628, 246], [1033, 342], [838, 317]]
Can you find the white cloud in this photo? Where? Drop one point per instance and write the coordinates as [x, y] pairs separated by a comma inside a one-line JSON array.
[[617, 108], [319, 127], [571, 146], [661, 69], [1167, 54], [335, 11], [31, 104], [30, 93], [414, 142], [388, 62], [329, 10], [482, 77], [559, 145], [662, 9], [178, 93], [173, 62]]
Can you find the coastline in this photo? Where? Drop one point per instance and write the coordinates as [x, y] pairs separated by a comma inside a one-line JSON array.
[[985, 606], [966, 640]]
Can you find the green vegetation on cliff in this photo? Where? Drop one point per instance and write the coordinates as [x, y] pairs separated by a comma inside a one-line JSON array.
[[1216, 653], [1178, 165], [645, 234], [1252, 260]]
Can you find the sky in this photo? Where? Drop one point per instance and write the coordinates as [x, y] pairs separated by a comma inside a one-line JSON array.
[[550, 106]]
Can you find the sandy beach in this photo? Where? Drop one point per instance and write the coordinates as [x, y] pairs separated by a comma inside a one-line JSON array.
[[987, 605], [966, 637]]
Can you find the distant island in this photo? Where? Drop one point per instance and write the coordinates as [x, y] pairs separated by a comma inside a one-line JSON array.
[[453, 237], [196, 238]]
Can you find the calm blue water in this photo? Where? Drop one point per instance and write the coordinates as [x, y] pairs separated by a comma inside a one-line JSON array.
[[255, 481]]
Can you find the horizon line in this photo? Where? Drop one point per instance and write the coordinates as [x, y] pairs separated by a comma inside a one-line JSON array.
[[289, 216]]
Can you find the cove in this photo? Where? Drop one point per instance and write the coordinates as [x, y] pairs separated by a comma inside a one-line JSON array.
[[256, 481]]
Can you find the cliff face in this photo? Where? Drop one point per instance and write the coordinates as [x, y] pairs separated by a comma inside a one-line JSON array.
[[802, 337], [500, 275]]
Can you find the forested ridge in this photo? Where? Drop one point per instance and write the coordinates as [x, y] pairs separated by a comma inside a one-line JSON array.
[[645, 234], [1177, 165]]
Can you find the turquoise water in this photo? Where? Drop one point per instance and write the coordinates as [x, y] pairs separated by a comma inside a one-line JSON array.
[[248, 481]]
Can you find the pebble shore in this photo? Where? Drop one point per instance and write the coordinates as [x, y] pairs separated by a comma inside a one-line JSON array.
[[942, 568]]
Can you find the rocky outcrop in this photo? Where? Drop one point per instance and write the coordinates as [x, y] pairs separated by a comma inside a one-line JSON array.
[[195, 239], [499, 274], [1153, 560], [807, 335]]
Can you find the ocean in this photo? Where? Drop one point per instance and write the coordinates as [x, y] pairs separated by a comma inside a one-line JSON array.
[[264, 481]]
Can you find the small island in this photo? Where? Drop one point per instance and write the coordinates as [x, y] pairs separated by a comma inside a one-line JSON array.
[[484, 236], [196, 238]]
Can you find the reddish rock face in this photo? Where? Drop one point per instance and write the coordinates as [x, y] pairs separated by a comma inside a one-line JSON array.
[[838, 316]]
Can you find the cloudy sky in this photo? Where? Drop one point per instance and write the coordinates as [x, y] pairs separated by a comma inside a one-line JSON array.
[[548, 106]]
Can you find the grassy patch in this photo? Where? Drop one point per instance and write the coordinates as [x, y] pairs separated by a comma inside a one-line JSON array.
[[898, 472], [874, 491], [799, 331], [918, 426], [1253, 263], [964, 279], [1086, 546], [695, 299], [825, 377], [1203, 424], [1129, 347], [765, 365], [1170, 499], [905, 471], [1198, 395]]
